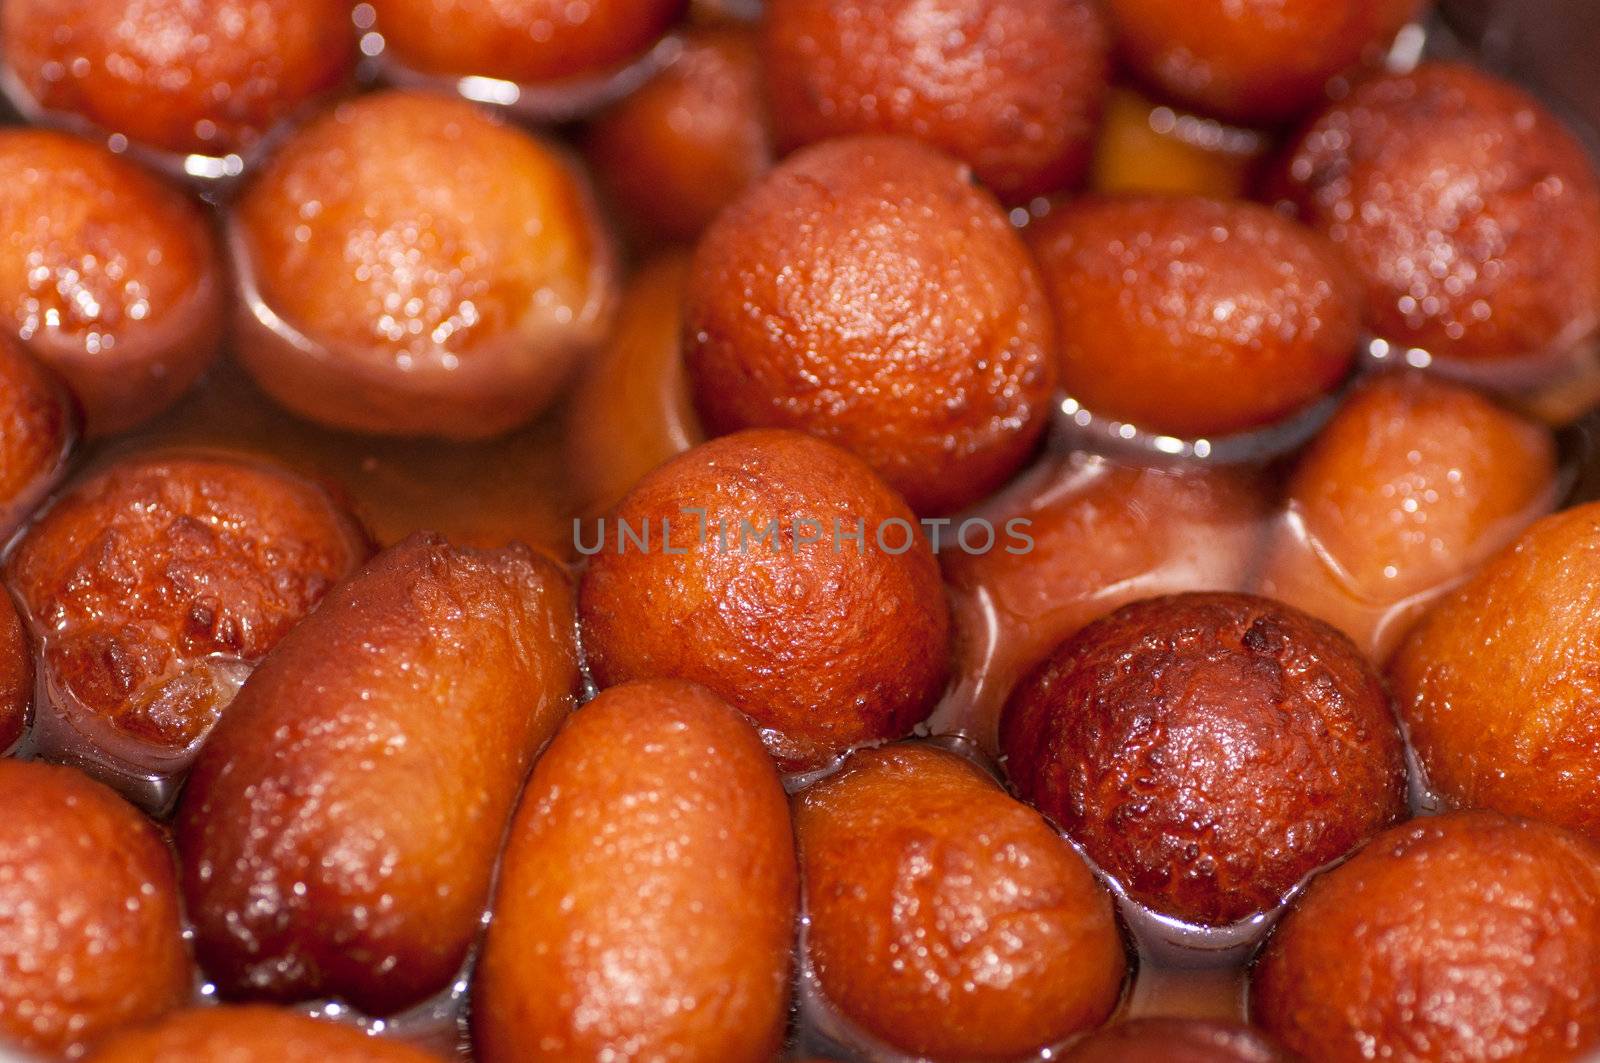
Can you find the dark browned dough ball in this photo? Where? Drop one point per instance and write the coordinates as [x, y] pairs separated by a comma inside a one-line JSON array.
[[1260, 62], [867, 293], [1470, 213], [16, 674], [1012, 87], [339, 831], [1495, 684], [90, 932], [824, 642], [1194, 316], [413, 266], [1208, 751], [234, 1034], [1163, 1040], [38, 427], [947, 918], [1459, 937], [211, 78], [157, 580], [109, 276], [528, 41], [679, 149]]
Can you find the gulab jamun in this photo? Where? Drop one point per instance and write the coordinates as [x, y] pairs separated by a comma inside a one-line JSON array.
[[1145, 146], [412, 266], [946, 918], [1455, 937], [250, 1034], [108, 275], [1013, 88], [527, 41], [156, 581], [16, 674], [1208, 751], [677, 150], [1193, 316], [1413, 483], [783, 574], [340, 828], [631, 409], [1167, 1040], [1471, 215], [208, 78], [90, 932], [646, 904], [38, 427], [1099, 534], [1495, 684], [1253, 62], [867, 293]]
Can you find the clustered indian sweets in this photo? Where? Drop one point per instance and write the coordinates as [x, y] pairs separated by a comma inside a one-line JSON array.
[[723, 531]]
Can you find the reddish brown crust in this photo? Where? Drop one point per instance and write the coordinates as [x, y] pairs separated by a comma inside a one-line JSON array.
[[38, 427], [867, 293], [822, 648], [1496, 683], [526, 41], [1195, 316], [130, 306], [631, 410], [147, 571], [1256, 62], [1412, 484], [446, 270], [210, 77], [1102, 535], [90, 938], [678, 150], [946, 918], [1013, 87], [16, 674], [1471, 215], [1465, 936], [1174, 1041], [646, 903], [251, 1035], [1208, 750], [373, 762]]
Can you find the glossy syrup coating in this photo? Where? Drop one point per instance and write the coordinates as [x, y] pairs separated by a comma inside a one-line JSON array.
[[16, 674], [679, 149], [1412, 484], [631, 409], [250, 1034], [1259, 62], [646, 904], [1471, 214], [157, 580], [339, 830], [526, 41], [1193, 316], [38, 427], [1012, 87], [108, 275], [422, 269], [90, 938], [824, 641], [946, 918], [1163, 1040], [1100, 534], [211, 78], [867, 293], [1495, 684], [1208, 751], [1457, 937]]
